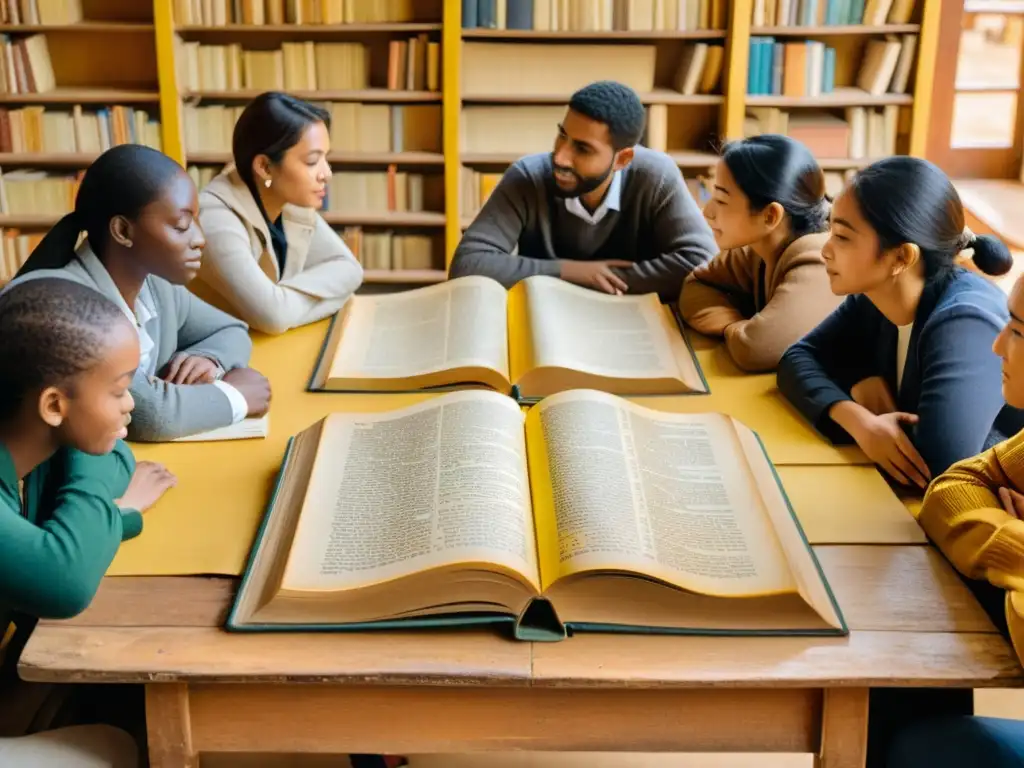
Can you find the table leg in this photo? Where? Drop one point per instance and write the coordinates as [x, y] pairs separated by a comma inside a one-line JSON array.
[[844, 728], [169, 727]]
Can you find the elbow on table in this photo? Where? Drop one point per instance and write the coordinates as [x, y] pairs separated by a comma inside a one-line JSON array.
[[66, 598]]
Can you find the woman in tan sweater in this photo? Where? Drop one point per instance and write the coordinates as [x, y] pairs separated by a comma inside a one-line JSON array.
[[767, 287], [271, 260]]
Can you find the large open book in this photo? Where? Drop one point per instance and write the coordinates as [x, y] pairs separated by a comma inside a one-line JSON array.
[[541, 337], [589, 512]]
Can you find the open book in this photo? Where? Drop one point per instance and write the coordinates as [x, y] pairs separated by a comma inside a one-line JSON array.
[[588, 513], [246, 429], [541, 337]]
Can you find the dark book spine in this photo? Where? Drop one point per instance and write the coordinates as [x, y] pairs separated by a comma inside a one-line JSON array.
[[487, 14], [469, 20], [520, 14]]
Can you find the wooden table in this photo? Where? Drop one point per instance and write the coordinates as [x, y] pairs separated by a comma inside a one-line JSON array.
[[913, 624]]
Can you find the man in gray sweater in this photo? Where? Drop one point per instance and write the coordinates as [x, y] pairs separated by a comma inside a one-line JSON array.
[[599, 211]]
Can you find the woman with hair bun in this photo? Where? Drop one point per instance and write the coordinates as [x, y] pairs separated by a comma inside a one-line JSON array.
[[768, 286], [904, 366], [271, 260]]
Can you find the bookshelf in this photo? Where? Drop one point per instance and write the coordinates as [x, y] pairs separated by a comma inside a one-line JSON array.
[[487, 93]]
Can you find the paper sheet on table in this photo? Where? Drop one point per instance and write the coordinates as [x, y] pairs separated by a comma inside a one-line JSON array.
[[848, 505]]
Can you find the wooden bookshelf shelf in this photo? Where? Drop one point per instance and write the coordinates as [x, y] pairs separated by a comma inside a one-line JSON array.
[[81, 26], [82, 96], [836, 30], [385, 219], [29, 220], [47, 160], [376, 95], [341, 158], [312, 29], [844, 97], [151, 71], [614, 36], [405, 276], [655, 97]]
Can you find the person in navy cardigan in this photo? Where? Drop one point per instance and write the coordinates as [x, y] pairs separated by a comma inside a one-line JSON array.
[[904, 366]]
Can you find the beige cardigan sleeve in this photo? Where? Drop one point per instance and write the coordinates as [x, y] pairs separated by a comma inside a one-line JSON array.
[[331, 274]]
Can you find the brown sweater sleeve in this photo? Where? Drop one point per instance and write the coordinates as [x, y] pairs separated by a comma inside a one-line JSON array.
[[706, 302], [802, 299]]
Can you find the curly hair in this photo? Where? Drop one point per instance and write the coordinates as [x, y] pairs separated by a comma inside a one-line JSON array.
[[617, 106], [51, 330]]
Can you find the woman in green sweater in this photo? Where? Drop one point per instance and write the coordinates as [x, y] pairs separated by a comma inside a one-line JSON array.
[[67, 358]]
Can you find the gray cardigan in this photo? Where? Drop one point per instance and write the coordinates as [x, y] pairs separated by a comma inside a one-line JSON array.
[[524, 229], [181, 323]]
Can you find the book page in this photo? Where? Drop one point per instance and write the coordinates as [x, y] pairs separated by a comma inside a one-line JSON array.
[[459, 323], [582, 329], [441, 482], [667, 495]]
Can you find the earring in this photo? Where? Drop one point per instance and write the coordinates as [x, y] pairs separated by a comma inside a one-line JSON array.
[[267, 183]]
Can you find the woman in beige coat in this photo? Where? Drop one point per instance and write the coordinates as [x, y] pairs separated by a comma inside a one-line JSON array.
[[270, 259], [768, 285]]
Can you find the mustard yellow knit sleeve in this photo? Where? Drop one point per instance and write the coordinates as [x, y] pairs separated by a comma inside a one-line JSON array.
[[962, 514]]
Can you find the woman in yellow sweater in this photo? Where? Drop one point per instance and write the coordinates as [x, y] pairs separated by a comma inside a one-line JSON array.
[[974, 513], [768, 285]]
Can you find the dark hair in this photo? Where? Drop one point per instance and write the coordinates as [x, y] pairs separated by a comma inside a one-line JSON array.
[[617, 106], [120, 182], [777, 169], [270, 125], [910, 200], [51, 329]]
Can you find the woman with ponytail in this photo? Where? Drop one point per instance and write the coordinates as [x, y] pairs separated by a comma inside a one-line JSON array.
[[767, 287], [139, 211], [272, 260], [904, 366]]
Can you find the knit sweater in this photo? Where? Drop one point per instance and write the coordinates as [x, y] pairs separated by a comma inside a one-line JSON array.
[[524, 229], [951, 378], [962, 514], [55, 548], [760, 312]]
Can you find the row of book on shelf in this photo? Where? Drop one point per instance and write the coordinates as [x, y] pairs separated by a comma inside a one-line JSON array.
[[412, 64], [43, 130], [355, 127], [261, 12], [808, 68], [595, 15], [25, 65], [381, 250], [865, 133], [818, 13], [40, 11]]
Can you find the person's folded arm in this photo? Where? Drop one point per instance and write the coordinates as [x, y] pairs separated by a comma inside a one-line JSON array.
[[818, 371], [961, 387], [963, 515], [799, 303], [711, 295], [206, 331], [165, 411], [230, 269], [53, 570], [487, 246], [681, 241]]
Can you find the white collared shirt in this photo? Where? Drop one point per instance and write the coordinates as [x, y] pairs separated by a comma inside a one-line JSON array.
[[612, 199], [142, 318]]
